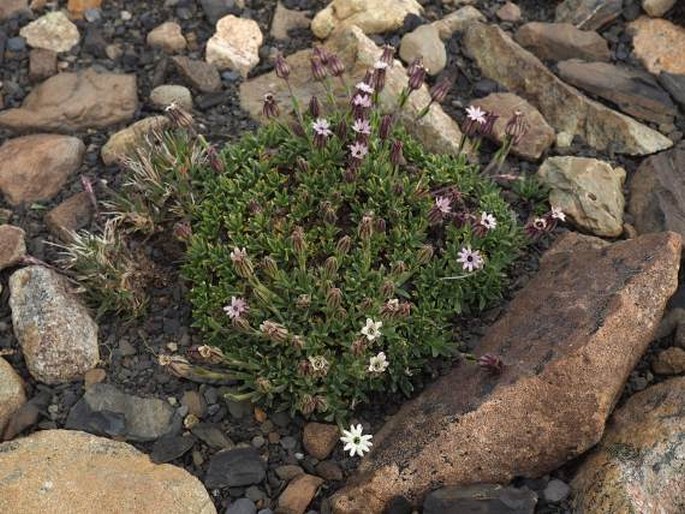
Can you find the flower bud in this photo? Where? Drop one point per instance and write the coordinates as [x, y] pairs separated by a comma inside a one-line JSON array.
[[417, 78], [254, 207], [241, 324], [487, 129], [331, 267], [262, 294], [333, 298], [270, 267], [388, 55], [335, 65], [210, 354], [241, 262], [491, 363], [366, 304], [516, 127], [396, 157], [366, 227], [322, 53], [297, 342], [378, 80], [307, 404], [358, 346], [178, 116], [350, 174], [341, 129], [424, 255], [329, 213], [414, 66], [440, 89], [387, 288], [303, 301], [270, 108], [282, 67], [318, 69], [379, 226], [385, 127], [215, 160], [274, 331], [297, 238], [263, 385], [343, 245], [321, 403], [398, 268], [183, 231], [314, 107]]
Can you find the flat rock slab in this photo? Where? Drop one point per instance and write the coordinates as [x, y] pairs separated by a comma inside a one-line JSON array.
[[561, 41], [564, 107], [437, 131], [481, 499], [633, 91], [675, 84], [592, 307], [75, 101], [658, 44], [640, 464], [235, 468], [657, 193], [588, 14], [78, 473]]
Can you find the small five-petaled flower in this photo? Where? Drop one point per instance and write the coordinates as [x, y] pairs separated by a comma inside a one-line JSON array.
[[355, 441], [372, 329], [470, 259], [378, 363]]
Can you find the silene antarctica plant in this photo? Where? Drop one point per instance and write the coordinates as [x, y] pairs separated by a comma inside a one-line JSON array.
[[328, 254]]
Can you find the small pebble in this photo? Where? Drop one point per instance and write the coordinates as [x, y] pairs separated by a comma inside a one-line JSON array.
[[92, 15], [258, 441], [288, 443], [125, 15], [556, 491]]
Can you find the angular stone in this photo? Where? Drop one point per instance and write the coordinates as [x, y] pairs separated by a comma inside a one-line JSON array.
[[540, 135], [171, 447], [319, 439], [371, 16], [671, 361], [10, 8], [52, 31], [42, 64], [104, 410], [588, 14], [12, 246], [199, 74], [633, 91], [71, 215], [124, 142], [76, 8], [588, 191], [164, 95], [299, 494], [561, 41], [425, 42], [657, 8], [75, 101], [657, 193], [57, 336], [482, 498], [34, 168], [212, 435], [593, 306], [329, 470], [437, 131], [235, 44], [564, 107], [509, 12], [27, 415], [287, 19], [12, 395], [168, 37], [457, 21], [638, 466], [68, 471], [235, 468], [658, 44], [216, 9], [675, 85]]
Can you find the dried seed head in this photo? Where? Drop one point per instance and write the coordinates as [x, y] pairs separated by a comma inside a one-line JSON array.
[[335, 65], [343, 245], [491, 363], [321, 403], [210, 354], [303, 301], [270, 267], [183, 231], [215, 161], [298, 241], [516, 127], [263, 385], [487, 129], [297, 342], [329, 213], [307, 404], [387, 288], [359, 346], [331, 267], [274, 331], [366, 227], [333, 298], [178, 116], [270, 108], [282, 67], [319, 366], [318, 69]]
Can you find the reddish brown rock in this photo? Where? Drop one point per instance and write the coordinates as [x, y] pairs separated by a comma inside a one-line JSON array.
[[75, 101], [72, 214], [76, 8], [319, 439], [540, 135], [509, 12], [9, 8], [298, 495], [658, 44], [638, 467], [42, 64], [561, 41], [12, 245], [592, 307], [36, 167]]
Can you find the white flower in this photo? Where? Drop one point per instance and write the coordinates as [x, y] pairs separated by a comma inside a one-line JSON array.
[[322, 127], [380, 65], [557, 214], [355, 442], [237, 307], [364, 88], [358, 150], [475, 113], [379, 363], [362, 127], [238, 254], [540, 223], [443, 204], [372, 329], [470, 259], [363, 101], [488, 220]]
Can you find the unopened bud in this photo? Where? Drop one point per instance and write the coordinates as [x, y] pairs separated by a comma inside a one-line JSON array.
[[358, 346], [215, 161], [318, 69], [366, 227], [178, 116], [387, 288], [440, 89], [414, 66], [379, 226], [516, 127], [274, 331], [314, 107], [263, 385], [487, 129], [385, 127], [341, 129], [241, 262], [297, 342], [183, 231], [270, 267], [297, 238], [388, 54], [396, 157], [417, 78], [424, 255], [333, 298], [282, 67], [343, 245], [322, 53], [270, 108], [331, 267], [307, 404], [491, 363], [335, 65], [241, 324]]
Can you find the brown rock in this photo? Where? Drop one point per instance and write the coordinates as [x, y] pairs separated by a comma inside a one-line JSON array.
[[123, 143], [319, 439], [298, 495], [94, 376], [287, 19], [12, 395], [72, 214], [671, 361], [36, 167], [75, 101], [26, 416], [457, 21], [540, 135], [593, 306], [9, 8], [198, 74], [437, 131], [288, 471], [195, 403], [564, 107], [561, 41], [588, 14], [76, 8], [42, 64], [658, 44], [657, 193], [633, 91], [329, 470], [509, 12], [119, 477], [638, 466], [167, 36], [12, 246]]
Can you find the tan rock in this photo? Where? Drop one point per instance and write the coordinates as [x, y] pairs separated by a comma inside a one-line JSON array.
[[561, 41], [198, 74], [593, 306], [658, 44], [9, 8], [70, 471], [122, 143], [319, 439], [42, 64], [425, 42], [371, 16], [93, 376], [167, 36], [588, 191], [166, 94], [457, 21], [235, 44], [657, 8], [437, 131], [540, 135], [638, 466], [298, 495], [76, 8], [71, 215], [12, 247], [287, 19], [35, 167], [12, 395], [563, 106], [671, 361], [75, 101], [52, 31], [509, 12]]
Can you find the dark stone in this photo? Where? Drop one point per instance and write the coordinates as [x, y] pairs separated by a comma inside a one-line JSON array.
[[399, 505], [94, 42], [42, 64], [16, 44], [170, 447], [209, 100], [212, 435], [235, 468], [198, 74], [588, 14], [675, 85], [242, 506], [217, 9], [480, 499]]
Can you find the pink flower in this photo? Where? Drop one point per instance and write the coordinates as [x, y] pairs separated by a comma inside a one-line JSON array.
[[443, 204], [322, 127], [470, 259], [488, 221], [363, 87], [358, 150], [363, 101], [236, 308], [362, 127]]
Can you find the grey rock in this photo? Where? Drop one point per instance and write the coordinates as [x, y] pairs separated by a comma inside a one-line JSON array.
[[425, 42], [675, 85], [217, 9], [457, 21], [588, 14], [287, 19], [556, 491], [11, 8], [242, 506], [163, 95], [561, 41], [170, 447], [16, 44], [235, 468], [199, 74], [482, 499]]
